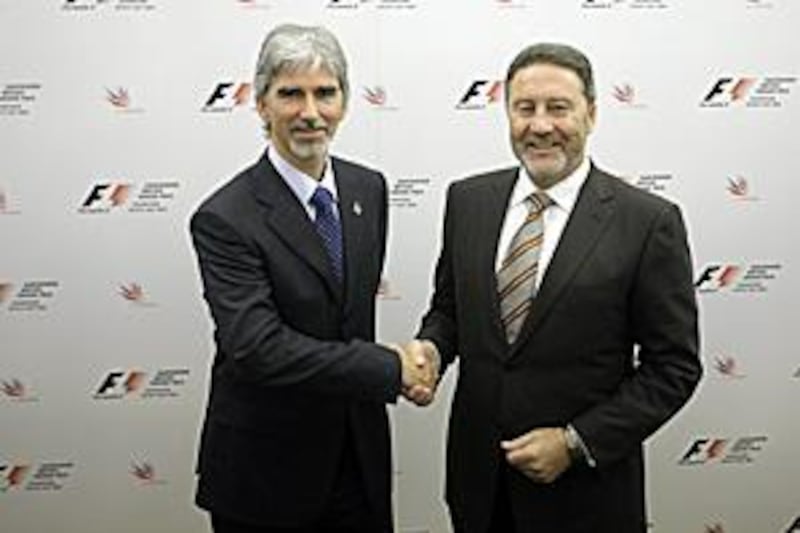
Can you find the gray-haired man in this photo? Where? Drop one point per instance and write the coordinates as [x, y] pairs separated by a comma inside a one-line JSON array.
[[291, 250]]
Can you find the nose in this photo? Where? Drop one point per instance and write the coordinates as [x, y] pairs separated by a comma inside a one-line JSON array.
[[310, 109], [540, 123]]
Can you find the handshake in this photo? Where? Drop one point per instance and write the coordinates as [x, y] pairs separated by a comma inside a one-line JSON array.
[[420, 370]]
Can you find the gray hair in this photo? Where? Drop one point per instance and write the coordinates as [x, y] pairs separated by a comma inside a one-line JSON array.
[[561, 55], [290, 47]]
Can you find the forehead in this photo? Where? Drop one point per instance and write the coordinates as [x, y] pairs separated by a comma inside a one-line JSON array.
[[305, 76], [547, 80]]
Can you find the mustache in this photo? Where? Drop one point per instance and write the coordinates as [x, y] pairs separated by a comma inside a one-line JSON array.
[[310, 124]]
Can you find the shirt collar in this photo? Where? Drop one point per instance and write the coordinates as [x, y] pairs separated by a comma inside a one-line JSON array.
[[564, 194], [301, 184]]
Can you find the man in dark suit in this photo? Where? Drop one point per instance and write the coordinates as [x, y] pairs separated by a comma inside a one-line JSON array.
[[568, 296], [291, 250]]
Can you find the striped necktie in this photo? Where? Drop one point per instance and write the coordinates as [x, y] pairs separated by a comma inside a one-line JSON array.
[[516, 279]]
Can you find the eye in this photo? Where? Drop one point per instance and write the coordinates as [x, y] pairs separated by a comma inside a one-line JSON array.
[[524, 109], [326, 93], [559, 108], [289, 92]]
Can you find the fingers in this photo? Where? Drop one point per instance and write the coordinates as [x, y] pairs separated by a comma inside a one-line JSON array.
[[541, 454], [420, 371]]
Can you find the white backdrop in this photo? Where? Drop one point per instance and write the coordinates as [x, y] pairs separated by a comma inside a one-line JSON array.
[[118, 116]]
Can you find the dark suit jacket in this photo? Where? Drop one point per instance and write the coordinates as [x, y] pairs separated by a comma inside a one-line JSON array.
[[620, 277], [294, 377]]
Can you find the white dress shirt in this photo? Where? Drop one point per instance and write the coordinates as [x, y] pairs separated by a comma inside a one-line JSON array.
[[564, 194], [303, 185]]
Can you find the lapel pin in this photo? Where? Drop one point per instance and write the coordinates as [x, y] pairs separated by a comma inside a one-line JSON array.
[[357, 209]]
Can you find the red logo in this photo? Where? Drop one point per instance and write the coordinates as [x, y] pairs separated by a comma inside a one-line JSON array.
[[132, 292], [13, 388], [143, 471], [727, 367], [375, 96], [737, 186], [119, 98], [624, 94]]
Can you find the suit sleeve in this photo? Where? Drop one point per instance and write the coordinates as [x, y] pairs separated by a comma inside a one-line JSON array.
[[255, 344], [663, 318]]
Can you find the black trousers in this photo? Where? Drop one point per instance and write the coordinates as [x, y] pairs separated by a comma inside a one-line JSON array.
[[502, 517], [347, 511]]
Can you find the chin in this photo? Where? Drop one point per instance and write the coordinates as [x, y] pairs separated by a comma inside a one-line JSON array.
[[310, 150]]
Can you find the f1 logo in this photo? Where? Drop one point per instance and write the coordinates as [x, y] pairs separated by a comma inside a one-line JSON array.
[[119, 383], [480, 93], [115, 194], [227, 95], [734, 89], [715, 277]]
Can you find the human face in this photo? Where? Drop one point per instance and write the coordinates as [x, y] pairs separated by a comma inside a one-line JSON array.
[[549, 121], [303, 109]]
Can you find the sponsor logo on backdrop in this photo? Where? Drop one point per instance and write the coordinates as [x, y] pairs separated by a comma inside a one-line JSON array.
[[345, 4], [738, 188], [655, 182], [6, 290], [377, 4], [408, 191], [625, 4], [125, 384], [729, 451], [83, 6], [514, 3], [44, 476], [753, 92], [759, 4], [18, 99], [378, 98], [254, 4], [728, 277], [12, 476], [120, 100], [625, 95], [480, 94], [14, 390], [395, 4], [135, 294], [6, 203], [32, 296], [112, 197], [727, 367], [794, 527], [145, 474], [227, 96]]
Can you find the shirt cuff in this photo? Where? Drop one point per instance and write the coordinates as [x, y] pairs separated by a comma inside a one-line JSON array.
[[577, 448]]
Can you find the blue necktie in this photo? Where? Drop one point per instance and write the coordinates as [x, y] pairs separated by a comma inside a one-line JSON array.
[[329, 228]]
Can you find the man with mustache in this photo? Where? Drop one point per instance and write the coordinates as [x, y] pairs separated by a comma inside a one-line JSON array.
[[291, 250], [567, 295]]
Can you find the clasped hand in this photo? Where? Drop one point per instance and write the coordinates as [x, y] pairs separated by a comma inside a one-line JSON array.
[[420, 368]]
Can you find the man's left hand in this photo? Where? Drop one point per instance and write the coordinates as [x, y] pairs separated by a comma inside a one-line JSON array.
[[540, 454]]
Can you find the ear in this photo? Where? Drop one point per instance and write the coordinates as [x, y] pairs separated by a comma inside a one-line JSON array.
[[591, 116], [262, 109]]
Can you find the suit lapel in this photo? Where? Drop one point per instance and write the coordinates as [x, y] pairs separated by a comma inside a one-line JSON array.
[[351, 214], [589, 219], [289, 220], [496, 205]]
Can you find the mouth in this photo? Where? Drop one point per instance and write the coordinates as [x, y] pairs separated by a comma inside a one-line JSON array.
[[310, 134], [542, 150]]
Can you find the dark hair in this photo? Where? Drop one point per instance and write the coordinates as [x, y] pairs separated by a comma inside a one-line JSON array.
[[561, 55]]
